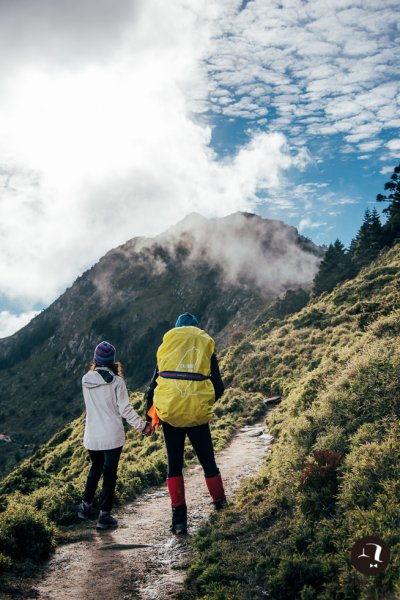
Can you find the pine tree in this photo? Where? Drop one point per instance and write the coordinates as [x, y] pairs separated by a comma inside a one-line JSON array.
[[392, 225], [376, 226], [368, 241], [335, 267]]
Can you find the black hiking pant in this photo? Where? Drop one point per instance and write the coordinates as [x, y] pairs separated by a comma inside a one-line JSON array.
[[104, 462], [200, 438]]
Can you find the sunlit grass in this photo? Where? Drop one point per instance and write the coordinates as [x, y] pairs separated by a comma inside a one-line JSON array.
[[334, 473]]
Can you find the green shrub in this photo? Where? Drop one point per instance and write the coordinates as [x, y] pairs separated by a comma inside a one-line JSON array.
[[58, 504], [25, 479], [25, 533], [5, 562], [319, 481], [369, 467]]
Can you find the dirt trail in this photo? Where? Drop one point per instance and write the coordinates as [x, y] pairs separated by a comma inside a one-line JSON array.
[[142, 559]]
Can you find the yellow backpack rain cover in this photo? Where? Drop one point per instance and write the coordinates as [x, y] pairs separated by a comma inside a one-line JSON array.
[[181, 402]]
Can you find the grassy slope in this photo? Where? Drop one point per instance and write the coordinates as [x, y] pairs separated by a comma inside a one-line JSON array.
[[39, 497], [336, 361], [334, 472]]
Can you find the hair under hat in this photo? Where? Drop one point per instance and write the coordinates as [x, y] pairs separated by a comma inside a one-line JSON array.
[[104, 354], [186, 320]]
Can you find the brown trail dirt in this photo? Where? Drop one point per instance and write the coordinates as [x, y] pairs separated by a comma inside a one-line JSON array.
[[142, 559]]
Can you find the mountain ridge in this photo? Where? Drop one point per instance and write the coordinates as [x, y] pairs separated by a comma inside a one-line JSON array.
[[227, 271]]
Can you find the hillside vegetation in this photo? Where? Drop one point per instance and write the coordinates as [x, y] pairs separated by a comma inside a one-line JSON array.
[[333, 475], [38, 499], [131, 297]]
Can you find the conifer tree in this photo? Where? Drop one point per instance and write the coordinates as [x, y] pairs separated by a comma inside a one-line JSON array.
[[392, 225], [368, 242], [335, 267]]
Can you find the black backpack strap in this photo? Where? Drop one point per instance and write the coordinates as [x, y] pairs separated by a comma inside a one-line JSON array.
[[183, 375]]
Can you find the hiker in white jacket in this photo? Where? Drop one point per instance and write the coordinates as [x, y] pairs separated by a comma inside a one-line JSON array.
[[107, 402]]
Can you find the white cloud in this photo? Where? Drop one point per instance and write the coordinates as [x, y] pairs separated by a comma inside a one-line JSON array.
[[95, 151], [386, 170], [10, 323], [337, 59], [369, 146], [394, 144], [66, 34], [104, 111], [307, 223], [239, 250]]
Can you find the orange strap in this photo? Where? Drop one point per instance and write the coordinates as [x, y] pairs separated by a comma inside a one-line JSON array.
[[155, 421]]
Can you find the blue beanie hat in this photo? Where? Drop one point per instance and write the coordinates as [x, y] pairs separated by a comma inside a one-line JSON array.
[[104, 354], [186, 320]]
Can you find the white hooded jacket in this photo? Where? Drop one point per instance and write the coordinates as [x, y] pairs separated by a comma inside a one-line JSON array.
[[106, 403]]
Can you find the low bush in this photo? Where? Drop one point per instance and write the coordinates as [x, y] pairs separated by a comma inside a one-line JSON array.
[[25, 533]]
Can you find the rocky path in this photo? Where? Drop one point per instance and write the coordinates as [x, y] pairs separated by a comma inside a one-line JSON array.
[[142, 559]]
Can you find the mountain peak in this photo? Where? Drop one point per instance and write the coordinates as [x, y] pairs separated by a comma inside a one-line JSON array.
[[189, 222], [225, 270]]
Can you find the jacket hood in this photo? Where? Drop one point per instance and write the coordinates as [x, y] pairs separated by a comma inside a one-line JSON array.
[[94, 379]]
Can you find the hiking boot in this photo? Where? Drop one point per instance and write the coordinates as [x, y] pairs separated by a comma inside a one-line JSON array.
[[220, 505], [84, 510], [179, 520], [106, 520]]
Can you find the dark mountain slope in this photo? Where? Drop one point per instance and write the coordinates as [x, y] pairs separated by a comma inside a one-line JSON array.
[[226, 271]]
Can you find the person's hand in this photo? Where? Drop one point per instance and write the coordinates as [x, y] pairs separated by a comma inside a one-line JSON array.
[[148, 430]]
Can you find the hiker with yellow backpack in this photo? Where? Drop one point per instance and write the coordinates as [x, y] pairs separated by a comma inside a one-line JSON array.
[[184, 387]]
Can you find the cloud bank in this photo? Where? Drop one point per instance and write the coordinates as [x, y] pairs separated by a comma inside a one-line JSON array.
[[248, 249], [98, 146], [10, 322], [106, 113], [313, 68]]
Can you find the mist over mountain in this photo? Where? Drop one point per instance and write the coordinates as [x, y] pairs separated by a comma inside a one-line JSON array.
[[226, 271]]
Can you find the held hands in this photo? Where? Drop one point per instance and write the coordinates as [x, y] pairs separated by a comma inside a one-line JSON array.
[[148, 430]]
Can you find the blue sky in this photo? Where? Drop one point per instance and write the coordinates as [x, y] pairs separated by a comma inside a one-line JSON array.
[[325, 75], [351, 183], [118, 119]]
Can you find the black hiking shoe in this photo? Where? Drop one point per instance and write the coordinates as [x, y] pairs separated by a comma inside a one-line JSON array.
[[106, 520], [84, 510], [179, 520], [220, 505]]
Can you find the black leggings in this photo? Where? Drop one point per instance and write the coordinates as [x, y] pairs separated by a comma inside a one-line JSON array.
[[104, 462], [200, 438]]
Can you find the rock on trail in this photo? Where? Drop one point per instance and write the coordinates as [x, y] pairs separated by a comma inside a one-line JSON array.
[[142, 559]]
